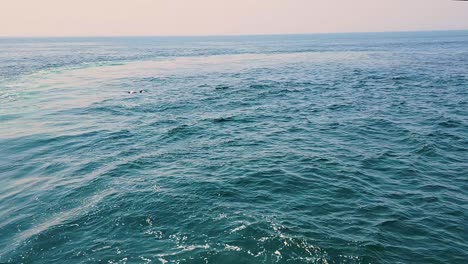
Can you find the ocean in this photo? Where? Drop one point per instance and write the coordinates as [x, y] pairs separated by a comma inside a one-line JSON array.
[[326, 148]]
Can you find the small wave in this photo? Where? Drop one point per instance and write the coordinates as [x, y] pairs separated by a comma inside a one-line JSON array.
[[261, 86], [180, 129], [239, 228], [222, 87], [223, 119], [427, 149], [9, 117], [232, 248], [450, 123]]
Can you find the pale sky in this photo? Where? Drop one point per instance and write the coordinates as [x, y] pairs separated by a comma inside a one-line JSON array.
[[225, 17]]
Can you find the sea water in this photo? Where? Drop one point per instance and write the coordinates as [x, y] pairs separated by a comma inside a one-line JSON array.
[[338, 148]]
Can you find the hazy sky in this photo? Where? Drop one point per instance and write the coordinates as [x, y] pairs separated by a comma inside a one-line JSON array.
[[226, 17]]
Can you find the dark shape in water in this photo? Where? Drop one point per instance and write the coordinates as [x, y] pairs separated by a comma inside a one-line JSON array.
[[134, 92]]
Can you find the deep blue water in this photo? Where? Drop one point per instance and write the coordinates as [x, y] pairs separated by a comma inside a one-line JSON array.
[[340, 148]]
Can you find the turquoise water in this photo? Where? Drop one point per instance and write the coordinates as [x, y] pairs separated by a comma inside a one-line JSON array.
[[342, 148]]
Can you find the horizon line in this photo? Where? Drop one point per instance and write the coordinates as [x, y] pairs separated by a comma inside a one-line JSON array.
[[231, 35]]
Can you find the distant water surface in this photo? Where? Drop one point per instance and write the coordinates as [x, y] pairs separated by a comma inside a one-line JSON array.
[[340, 148]]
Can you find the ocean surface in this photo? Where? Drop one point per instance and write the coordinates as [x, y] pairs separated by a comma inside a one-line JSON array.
[[338, 148]]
